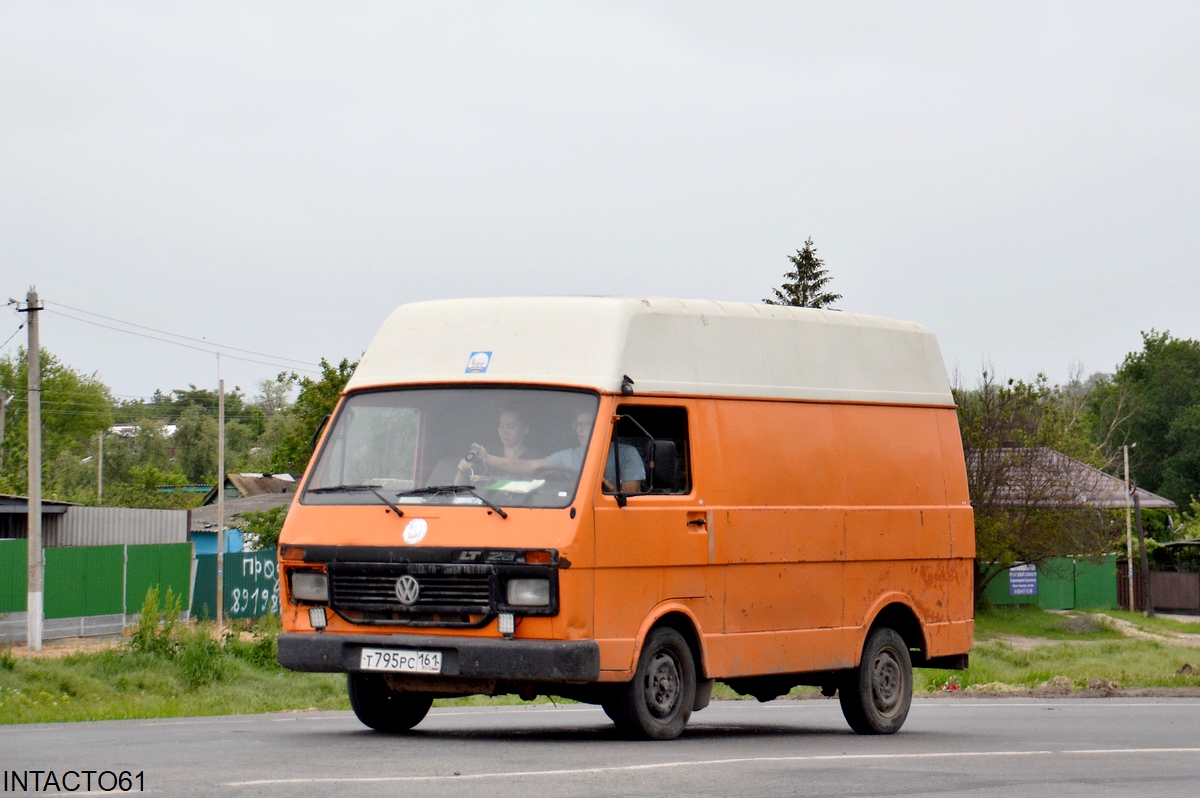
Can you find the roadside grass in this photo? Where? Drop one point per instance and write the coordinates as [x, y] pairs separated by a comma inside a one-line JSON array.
[[1079, 646], [1157, 623], [119, 683], [172, 670], [1128, 662], [1031, 621], [164, 669]]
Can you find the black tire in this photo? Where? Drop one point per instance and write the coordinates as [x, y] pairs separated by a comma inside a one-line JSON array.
[[876, 695], [382, 708], [613, 710], [656, 705]]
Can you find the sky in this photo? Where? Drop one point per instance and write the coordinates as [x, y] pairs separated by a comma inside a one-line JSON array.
[[1022, 178]]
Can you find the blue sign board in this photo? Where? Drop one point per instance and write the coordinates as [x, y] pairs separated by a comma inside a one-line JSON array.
[[1022, 580]]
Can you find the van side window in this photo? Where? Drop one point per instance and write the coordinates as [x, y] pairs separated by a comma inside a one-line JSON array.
[[668, 424]]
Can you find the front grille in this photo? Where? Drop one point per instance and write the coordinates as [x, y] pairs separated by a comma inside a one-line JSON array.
[[443, 589]]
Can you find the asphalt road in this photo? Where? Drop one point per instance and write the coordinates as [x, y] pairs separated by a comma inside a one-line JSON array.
[[997, 747]]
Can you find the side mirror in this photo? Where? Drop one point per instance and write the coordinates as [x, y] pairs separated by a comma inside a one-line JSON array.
[[320, 428], [663, 456]]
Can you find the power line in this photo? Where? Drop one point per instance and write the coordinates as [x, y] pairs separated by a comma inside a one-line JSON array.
[[177, 335], [178, 343], [14, 335]]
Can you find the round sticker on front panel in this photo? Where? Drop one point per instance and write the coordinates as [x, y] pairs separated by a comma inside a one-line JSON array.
[[414, 530]]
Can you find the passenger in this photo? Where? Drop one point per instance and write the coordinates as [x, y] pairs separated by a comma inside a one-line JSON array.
[[633, 470], [512, 431]]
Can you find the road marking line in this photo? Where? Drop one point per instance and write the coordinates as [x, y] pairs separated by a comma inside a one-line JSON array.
[[1000, 703], [701, 763]]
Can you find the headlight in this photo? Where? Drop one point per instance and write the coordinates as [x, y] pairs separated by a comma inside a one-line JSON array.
[[310, 586], [529, 592]]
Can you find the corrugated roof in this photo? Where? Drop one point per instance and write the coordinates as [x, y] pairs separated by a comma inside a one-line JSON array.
[[204, 519], [105, 526], [251, 484], [1044, 477], [10, 500]]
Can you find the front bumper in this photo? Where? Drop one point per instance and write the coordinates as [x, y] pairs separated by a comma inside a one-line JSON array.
[[462, 657]]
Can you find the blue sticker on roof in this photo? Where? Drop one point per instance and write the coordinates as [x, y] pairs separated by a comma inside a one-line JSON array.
[[478, 362]]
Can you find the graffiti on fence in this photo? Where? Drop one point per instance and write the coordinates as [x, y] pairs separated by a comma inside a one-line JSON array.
[[254, 591]]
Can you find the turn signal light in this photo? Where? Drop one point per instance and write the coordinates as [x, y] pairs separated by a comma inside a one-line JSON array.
[[538, 557], [291, 552]]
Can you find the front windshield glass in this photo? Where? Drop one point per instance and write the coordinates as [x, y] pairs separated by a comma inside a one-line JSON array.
[[513, 447]]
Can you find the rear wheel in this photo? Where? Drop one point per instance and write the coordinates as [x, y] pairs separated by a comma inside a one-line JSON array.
[[656, 705], [383, 709], [876, 695]]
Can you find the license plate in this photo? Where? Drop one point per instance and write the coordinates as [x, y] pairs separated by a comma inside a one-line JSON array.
[[399, 660]]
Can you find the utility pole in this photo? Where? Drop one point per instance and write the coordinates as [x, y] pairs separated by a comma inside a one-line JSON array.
[[220, 501], [3, 408], [33, 606], [1146, 586], [100, 467], [1129, 528]]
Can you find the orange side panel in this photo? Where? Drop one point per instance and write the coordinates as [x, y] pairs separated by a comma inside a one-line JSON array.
[[761, 653], [783, 596], [771, 534], [624, 596], [889, 456], [945, 639]]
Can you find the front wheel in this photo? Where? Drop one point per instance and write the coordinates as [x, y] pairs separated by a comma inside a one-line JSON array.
[[383, 709], [876, 695], [656, 705]]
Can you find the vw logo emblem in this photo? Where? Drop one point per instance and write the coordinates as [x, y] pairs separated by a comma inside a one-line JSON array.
[[408, 590]]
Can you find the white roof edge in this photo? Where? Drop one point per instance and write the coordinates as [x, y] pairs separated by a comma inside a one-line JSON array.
[[687, 347]]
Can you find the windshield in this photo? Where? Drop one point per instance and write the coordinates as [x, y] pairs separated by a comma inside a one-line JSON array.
[[519, 447]]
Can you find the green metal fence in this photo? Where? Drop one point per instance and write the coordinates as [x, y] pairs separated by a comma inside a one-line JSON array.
[[251, 582], [96, 580], [85, 580], [14, 573], [1063, 583], [167, 566], [1096, 583]]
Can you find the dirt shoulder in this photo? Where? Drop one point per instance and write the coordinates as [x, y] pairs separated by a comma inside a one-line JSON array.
[[64, 647]]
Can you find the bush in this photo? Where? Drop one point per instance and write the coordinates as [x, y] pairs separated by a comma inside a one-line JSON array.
[[155, 629], [260, 652], [195, 656], [200, 658]]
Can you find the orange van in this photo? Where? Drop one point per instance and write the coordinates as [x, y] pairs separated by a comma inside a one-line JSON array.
[[622, 500]]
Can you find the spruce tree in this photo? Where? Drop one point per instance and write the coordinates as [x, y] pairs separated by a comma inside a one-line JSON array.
[[802, 287]]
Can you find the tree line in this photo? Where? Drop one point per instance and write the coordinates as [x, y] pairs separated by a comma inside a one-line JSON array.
[[152, 446]]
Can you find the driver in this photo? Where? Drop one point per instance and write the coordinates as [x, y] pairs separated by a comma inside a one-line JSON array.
[[512, 431], [633, 470]]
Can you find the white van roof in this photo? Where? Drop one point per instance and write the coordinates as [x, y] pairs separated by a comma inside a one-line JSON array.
[[676, 346]]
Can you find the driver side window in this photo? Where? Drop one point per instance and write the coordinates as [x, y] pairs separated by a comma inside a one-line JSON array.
[[638, 471]]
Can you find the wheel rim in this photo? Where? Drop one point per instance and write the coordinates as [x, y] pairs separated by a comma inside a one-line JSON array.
[[662, 685], [887, 682]]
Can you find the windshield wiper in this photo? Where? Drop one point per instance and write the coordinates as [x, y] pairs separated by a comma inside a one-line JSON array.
[[433, 490], [359, 489]]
